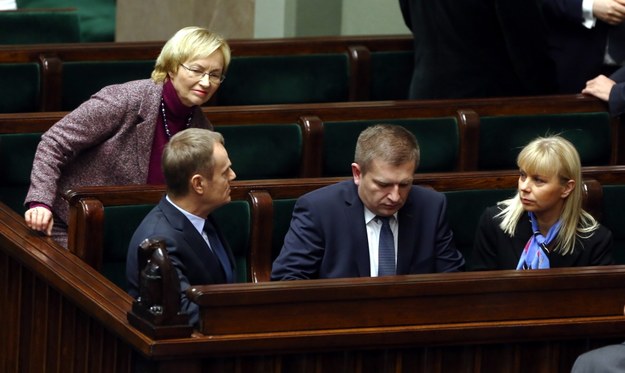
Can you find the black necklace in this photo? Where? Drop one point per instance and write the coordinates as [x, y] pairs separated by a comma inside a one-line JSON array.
[[165, 119]]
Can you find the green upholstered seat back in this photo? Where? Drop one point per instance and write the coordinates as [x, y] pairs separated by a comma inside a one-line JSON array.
[[17, 152], [234, 220], [20, 87], [120, 223], [39, 26], [282, 213], [502, 137], [96, 17], [614, 218], [464, 208], [438, 139], [83, 79], [391, 73], [261, 80], [264, 151]]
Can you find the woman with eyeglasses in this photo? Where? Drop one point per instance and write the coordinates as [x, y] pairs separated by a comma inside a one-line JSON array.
[[544, 224], [117, 136]]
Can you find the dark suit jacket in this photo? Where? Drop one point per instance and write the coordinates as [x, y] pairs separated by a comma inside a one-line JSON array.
[[616, 101], [478, 48], [494, 249], [189, 253], [328, 237], [578, 52]]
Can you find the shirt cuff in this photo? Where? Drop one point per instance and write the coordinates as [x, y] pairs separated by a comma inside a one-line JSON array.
[[589, 20], [32, 205]]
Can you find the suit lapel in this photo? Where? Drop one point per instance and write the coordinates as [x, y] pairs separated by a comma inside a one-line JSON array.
[[406, 237], [355, 212], [194, 243]]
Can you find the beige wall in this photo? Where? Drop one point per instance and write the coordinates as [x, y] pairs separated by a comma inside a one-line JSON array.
[[242, 19], [159, 19], [364, 17]]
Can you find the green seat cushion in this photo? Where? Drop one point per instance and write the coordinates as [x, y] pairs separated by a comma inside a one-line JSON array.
[[264, 151], [20, 87], [96, 17], [82, 79], [464, 208], [120, 223], [390, 75], [261, 80], [38, 27], [282, 213], [234, 221], [614, 218], [438, 140], [17, 152], [503, 137]]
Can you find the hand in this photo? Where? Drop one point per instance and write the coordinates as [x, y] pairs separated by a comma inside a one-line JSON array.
[[599, 87], [609, 11], [40, 219]]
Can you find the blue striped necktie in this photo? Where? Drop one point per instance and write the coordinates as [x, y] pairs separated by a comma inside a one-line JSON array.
[[386, 249]]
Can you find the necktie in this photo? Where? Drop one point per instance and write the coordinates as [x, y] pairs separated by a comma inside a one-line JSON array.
[[616, 43], [386, 249], [219, 250]]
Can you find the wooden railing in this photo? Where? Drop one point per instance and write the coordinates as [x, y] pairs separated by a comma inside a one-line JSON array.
[[59, 315]]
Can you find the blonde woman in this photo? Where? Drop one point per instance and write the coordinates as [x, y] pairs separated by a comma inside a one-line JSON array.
[[117, 136], [543, 225]]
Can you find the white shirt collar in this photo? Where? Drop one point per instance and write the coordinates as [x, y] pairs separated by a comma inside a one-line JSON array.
[[197, 221]]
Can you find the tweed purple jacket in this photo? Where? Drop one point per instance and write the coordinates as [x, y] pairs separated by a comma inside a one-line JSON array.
[[106, 141]]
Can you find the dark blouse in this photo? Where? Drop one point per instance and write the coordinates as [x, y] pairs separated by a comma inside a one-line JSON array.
[[177, 115], [494, 249]]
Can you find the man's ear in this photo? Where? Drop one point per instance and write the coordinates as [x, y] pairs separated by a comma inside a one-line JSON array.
[[356, 173], [196, 183]]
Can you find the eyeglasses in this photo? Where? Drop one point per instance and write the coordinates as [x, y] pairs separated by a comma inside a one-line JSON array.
[[199, 75]]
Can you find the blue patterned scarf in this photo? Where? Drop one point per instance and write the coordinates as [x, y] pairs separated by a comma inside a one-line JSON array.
[[534, 255]]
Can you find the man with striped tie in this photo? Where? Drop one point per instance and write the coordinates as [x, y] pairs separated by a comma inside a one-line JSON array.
[[377, 224]]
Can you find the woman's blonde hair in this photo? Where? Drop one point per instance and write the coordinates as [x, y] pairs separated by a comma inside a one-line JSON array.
[[549, 156], [189, 43]]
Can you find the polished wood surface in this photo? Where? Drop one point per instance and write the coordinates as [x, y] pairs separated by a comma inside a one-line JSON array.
[[59, 315], [290, 113]]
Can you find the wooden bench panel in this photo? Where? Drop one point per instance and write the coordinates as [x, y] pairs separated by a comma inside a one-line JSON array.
[[84, 319]]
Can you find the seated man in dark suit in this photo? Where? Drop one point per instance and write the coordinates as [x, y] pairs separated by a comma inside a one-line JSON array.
[[198, 173], [378, 224]]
